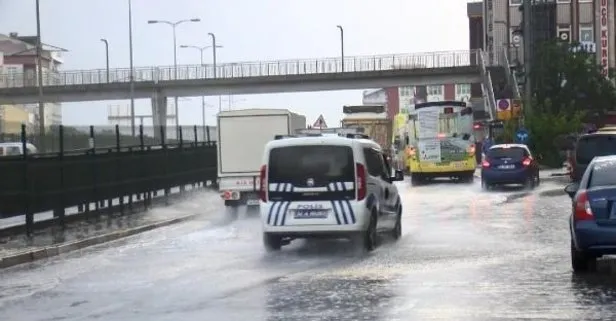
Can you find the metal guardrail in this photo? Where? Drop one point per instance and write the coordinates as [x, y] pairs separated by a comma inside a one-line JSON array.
[[428, 60]]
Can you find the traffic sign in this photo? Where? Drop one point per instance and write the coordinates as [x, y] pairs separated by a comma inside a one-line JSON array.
[[522, 135], [503, 104], [320, 123]]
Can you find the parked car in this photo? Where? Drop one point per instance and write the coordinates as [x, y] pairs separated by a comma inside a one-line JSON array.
[[509, 164], [593, 214], [588, 146]]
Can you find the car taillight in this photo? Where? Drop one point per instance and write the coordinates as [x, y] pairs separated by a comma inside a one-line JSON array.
[[361, 181], [583, 212], [263, 187], [485, 164], [527, 161]]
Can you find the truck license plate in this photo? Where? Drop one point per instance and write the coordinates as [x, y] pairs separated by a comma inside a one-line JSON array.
[[252, 202]]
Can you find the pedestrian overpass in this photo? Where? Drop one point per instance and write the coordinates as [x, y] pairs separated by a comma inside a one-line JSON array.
[[300, 75]]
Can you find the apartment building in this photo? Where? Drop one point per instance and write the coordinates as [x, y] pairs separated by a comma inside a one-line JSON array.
[[493, 25], [20, 68], [403, 99]]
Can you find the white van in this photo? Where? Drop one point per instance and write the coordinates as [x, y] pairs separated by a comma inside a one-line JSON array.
[[328, 186], [16, 148]]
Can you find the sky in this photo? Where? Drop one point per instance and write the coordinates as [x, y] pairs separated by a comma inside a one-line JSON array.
[[249, 30]]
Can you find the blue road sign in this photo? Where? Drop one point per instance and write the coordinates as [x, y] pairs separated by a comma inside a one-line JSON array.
[[522, 135]]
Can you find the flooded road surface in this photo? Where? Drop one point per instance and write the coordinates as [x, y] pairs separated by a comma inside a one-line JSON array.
[[465, 254]]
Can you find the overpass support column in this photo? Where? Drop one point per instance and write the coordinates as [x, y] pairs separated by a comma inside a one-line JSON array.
[[159, 114]]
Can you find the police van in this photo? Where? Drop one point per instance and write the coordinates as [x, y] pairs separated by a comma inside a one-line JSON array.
[[334, 186]]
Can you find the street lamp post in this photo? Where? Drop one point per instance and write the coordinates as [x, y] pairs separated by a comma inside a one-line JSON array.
[[174, 25], [201, 51], [39, 62], [106, 56], [132, 68], [213, 36], [341, 44], [528, 39]]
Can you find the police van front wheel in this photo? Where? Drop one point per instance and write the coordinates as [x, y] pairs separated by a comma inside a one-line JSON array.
[[272, 242], [397, 231]]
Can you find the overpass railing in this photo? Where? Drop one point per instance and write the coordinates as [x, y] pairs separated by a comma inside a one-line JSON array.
[[429, 60]]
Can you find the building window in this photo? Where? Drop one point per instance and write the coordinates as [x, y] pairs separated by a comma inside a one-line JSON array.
[[435, 90], [11, 70], [463, 89], [587, 33], [563, 32], [585, 1], [563, 1], [406, 91], [515, 2]]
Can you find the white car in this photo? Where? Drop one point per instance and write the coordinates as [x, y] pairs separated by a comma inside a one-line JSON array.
[[328, 186]]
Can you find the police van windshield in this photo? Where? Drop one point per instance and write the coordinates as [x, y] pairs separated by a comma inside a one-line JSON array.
[[590, 147], [311, 165]]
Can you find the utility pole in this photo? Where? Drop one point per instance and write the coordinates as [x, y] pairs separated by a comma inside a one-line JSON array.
[[528, 46]]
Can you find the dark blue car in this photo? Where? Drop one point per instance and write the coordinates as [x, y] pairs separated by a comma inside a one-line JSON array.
[[593, 214], [509, 164]]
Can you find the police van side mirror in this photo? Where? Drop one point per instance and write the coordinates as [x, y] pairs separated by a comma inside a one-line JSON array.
[[398, 176]]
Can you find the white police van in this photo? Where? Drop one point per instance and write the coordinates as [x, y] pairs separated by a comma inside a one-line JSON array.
[[336, 186]]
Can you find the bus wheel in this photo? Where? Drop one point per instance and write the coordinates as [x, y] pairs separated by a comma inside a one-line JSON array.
[[467, 178], [416, 179]]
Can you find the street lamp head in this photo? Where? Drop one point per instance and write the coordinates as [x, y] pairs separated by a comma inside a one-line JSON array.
[[210, 34], [195, 19], [152, 21], [103, 40], [339, 26], [183, 46]]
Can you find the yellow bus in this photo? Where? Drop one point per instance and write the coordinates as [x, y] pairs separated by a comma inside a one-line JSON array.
[[400, 132], [440, 142]]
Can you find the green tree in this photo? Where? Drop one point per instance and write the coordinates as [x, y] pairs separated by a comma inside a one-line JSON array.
[[571, 80], [568, 89]]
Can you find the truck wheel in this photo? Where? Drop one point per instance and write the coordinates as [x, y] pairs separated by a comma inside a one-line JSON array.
[[271, 242], [232, 210], [252, 210]]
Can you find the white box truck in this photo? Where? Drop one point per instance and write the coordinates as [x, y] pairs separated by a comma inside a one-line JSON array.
[[242, 135]]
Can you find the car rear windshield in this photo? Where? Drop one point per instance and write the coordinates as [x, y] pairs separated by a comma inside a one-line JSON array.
[[511, 152], [590, 147], [321, 164], [603, 174]]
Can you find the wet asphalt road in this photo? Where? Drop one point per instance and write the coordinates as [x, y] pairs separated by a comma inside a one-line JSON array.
[[465, 255]]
